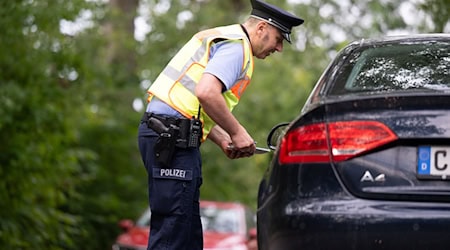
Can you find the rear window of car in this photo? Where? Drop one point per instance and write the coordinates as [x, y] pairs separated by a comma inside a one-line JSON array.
[[221, 220], [391, 67]]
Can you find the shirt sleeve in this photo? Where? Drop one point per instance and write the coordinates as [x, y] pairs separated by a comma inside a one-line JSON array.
[[226, 61]]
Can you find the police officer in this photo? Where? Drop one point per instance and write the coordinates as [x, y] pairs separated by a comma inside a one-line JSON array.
[[191, 101]]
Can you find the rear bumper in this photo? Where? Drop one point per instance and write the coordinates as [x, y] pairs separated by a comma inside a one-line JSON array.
[[354, 224]]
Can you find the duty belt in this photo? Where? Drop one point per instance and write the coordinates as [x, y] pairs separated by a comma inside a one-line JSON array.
[[188, 132], [173, 132], [166, 120]]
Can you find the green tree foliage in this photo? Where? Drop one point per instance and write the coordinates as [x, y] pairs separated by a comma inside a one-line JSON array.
[[39, 154], [69, 162], [439, 11]]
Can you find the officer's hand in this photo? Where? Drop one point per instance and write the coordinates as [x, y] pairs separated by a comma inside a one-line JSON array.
[[234, 153], [243, 143]]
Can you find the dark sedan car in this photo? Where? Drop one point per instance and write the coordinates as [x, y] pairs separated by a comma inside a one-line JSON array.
[[366, 164]]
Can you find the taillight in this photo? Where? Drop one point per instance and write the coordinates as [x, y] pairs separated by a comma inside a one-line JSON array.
[[335, 141]]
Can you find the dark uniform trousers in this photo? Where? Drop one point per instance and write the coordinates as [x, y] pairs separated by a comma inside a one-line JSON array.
[[173, 196]]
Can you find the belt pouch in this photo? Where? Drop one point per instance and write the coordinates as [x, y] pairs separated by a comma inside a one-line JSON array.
[[182, 141]]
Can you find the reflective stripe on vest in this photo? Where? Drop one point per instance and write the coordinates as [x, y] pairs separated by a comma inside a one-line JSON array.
[[176, 83]]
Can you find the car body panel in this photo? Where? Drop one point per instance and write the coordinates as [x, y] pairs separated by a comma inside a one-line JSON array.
[[134, 238], [359, 224]]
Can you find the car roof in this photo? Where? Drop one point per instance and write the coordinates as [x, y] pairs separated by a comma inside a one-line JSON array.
[[220, 204], [409, 37]]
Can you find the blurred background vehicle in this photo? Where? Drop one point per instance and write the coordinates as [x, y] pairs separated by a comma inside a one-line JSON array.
[[366, 163], [226, 226]]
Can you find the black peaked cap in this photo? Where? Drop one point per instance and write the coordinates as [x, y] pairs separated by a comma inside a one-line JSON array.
[[276, 16]]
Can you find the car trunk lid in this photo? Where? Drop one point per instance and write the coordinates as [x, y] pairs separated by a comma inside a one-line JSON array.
[[414, 166]]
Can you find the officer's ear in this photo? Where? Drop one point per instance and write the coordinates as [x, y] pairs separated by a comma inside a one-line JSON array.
[[261, 26]]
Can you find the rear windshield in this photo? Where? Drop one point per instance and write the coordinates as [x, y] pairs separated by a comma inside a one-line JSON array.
[[396, 67]]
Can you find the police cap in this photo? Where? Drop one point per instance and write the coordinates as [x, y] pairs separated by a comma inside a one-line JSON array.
[[275, 16]]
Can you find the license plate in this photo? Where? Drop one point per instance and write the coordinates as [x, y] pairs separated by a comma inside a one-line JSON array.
[[433, 162]]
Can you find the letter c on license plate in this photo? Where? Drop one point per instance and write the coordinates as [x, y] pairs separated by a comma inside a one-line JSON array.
[[433, 162]]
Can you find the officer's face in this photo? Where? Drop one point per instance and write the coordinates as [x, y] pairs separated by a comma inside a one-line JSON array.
[[271, 41]]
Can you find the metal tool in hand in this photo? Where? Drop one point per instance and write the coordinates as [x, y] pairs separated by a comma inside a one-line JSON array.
[[258, 150]]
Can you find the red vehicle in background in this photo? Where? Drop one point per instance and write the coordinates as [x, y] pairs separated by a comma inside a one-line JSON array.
[[226, 226]]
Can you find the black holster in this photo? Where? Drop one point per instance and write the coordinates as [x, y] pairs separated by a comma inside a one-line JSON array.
[[165, 146]]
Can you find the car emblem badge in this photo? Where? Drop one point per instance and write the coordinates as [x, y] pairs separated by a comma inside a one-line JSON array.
[[367, 177]]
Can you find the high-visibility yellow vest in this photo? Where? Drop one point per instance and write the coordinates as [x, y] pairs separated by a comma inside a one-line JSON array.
[[176, 83]]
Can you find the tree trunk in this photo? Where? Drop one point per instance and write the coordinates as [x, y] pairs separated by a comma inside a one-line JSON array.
[[119, 30]]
